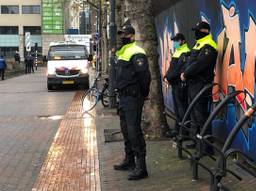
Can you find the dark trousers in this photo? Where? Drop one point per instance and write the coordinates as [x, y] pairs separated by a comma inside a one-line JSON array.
[[180, 101], [26, 68], [2, 73], [200, 112], [31, 68], [130, 110]]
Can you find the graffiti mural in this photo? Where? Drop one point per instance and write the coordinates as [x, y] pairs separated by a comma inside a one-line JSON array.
[[234, 29], [166, 50]]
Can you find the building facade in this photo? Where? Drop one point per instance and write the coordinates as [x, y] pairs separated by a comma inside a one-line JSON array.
[[53, 19], [46, 20], [17, 18]]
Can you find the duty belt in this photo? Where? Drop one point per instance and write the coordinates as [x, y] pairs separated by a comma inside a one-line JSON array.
[[197, 79], [132, 90]]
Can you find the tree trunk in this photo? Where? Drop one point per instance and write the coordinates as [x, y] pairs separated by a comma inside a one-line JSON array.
[[104, 41], [120, 8], [140, 13]]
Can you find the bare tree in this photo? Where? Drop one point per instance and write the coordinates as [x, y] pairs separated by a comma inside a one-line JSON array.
[[140, 13]]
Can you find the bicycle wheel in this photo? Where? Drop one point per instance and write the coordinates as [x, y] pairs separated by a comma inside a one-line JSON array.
[[105, 98], [90, 99]]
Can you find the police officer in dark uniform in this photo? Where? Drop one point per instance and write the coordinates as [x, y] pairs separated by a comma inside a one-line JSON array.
[[179, 90], [29, 63], [2, 66], [133, 84], [199, 72]]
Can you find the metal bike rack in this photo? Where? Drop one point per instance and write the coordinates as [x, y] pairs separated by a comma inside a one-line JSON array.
[[183, 125], [201, 137], [227, 151]]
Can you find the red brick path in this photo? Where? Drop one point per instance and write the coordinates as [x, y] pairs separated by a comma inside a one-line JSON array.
[[72, 161]]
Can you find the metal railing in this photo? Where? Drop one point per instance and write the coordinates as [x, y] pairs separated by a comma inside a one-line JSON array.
[[203, 139]]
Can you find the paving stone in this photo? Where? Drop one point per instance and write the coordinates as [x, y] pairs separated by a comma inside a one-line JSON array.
[[24, 138], [166, 171], [72, 161]]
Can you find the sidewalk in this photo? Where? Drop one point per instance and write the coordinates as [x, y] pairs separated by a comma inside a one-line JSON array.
[[29, 119], [166, 171], [79, 159], [72, 161]]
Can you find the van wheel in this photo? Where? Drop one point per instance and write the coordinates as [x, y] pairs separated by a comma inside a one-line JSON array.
[[86, 86], [49, 87]]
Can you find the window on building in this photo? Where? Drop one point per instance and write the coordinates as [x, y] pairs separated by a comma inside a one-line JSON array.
[[9, 30], [31, 9], [34, 30], [8, 52], [9, 9]]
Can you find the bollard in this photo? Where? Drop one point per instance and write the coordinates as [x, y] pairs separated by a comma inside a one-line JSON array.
[[195, 160]]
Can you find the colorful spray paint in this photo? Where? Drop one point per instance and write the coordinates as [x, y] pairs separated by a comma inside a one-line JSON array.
[[234, 28]]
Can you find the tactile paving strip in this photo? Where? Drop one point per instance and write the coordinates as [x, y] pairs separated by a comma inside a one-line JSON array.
[[72, 161]]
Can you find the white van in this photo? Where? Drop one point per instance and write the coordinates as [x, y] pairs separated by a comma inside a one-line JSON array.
[[68, 64]]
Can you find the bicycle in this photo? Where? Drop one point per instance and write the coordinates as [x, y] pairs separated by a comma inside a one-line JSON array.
[[93, 95]]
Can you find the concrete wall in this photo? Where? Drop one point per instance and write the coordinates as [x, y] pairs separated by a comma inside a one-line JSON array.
[[234, 28]]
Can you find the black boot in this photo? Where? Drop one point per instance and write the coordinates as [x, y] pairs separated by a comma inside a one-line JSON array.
[[127, 164], [140, 170]]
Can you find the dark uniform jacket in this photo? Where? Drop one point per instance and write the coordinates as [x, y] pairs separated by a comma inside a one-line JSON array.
[[132, 69], [29, 60], [17, 57], [2, 63], [177, 64], [202, 60]]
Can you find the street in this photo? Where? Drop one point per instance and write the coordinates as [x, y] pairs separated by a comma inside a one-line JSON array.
[[125, 95], [48, 143], [26, 132]]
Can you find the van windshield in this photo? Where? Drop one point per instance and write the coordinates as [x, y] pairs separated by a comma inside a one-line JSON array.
[[68, 52]]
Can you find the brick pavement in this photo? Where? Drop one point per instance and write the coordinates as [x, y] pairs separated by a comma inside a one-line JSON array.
[[72, 161], [24, 137]]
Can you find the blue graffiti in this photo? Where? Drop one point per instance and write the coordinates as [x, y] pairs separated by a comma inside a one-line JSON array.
[[245, 9]]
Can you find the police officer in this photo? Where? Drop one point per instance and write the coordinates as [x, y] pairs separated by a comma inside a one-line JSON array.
[[29, 63], [17, 57], [133, 84], [2, 66], [27, 68], [199, 72], [179, 90]]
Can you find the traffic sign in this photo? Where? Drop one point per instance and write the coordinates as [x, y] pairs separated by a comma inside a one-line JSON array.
[[28, 41]]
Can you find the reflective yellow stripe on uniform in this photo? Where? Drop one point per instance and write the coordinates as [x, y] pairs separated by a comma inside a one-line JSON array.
[[207, 40], [182, 49], [129, 50]]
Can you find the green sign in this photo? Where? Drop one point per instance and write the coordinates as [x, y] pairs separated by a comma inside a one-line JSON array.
[[52, 17]]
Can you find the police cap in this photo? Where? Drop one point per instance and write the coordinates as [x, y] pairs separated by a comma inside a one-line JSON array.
[[178, 36], [202, 25], [127, 29]]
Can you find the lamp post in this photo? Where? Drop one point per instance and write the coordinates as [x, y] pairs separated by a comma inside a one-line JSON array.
[[98, 29], [99, 67], [112, 66], [112, 31], [112, 24]]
